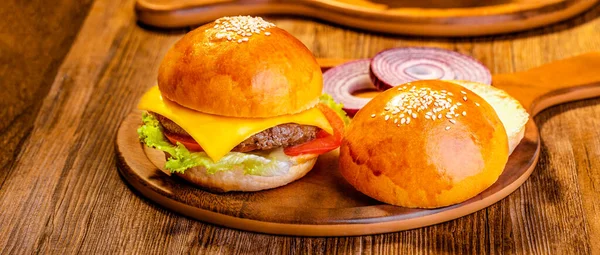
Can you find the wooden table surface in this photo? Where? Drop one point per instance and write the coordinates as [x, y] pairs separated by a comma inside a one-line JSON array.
[[72, 70]]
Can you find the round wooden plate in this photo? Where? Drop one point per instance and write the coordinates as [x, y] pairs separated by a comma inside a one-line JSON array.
[[433, 18], [320, 204]]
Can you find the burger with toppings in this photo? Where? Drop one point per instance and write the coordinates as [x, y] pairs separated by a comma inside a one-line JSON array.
[[238, 107]]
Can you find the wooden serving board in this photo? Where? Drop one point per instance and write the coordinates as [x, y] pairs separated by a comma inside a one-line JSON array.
[[431, 18], [322, 203]]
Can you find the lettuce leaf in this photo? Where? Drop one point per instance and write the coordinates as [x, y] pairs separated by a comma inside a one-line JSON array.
[[267, 164], [327, 100]]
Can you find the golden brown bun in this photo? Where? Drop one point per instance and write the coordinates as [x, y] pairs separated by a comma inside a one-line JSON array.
[[236, 180], [509, 110], [426, 163], [266, 76]]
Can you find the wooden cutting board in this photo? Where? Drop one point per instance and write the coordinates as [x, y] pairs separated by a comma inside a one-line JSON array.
[[431, 17], [322, 203]]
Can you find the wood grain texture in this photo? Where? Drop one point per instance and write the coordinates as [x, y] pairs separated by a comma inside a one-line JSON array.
[[62, 192], [31, 51], [431, 18]]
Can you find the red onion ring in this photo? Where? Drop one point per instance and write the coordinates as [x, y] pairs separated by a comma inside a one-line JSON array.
[[343, 80], [397, 66]]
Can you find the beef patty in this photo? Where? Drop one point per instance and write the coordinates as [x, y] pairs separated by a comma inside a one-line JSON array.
[[283, 135]]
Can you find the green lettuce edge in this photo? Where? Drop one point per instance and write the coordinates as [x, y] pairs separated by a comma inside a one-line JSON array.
[[327, 100]]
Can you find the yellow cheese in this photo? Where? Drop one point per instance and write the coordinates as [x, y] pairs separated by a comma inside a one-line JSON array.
[[217, 135]]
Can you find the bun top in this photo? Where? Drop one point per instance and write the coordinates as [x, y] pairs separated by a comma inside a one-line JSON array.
[[425, 144], [241, 67]]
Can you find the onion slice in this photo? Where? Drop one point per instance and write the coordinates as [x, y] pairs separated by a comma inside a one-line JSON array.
[[397, 66], [343, 80]]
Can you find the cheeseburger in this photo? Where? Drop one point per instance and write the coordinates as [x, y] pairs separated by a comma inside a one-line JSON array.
[[238, 107]]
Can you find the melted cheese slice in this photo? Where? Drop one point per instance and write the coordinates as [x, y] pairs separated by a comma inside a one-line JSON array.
[[217, 135]]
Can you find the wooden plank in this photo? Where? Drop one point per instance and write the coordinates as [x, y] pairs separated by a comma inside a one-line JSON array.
[[54, 191], [548, 213], [31, 51]]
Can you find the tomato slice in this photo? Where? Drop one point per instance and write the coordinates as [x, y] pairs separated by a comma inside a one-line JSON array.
[[188, 142], [324, 142]]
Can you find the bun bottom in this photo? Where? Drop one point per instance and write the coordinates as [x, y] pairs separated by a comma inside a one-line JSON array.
[[236, 180]]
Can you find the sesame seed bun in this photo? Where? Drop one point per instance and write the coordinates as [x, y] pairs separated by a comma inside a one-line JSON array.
[[259, 71], [427, 144], [509, 110], [236, 180]]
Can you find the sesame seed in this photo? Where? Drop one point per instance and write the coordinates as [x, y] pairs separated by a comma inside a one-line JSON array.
[[477, 104], [464, 113], [373, 115], [236, 27], [430, 103], [267, 33], [453, 121], [448, 128], [465, 98], [464, 93]]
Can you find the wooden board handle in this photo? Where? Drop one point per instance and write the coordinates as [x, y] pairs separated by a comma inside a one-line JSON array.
[[559, 82], [433, 18]]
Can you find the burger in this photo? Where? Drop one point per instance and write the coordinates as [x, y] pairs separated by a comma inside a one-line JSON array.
[[428, 144], [238, 107]]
